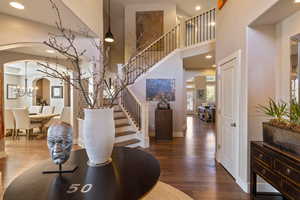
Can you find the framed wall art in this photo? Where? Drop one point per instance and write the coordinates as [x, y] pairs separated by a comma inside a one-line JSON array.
[[149, 27], [158, 88], [57, 92], [11, 91]]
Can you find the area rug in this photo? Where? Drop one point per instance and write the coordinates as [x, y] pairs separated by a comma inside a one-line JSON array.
[[163, 191]]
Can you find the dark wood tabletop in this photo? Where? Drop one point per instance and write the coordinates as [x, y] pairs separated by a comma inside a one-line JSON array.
[[131, 175]]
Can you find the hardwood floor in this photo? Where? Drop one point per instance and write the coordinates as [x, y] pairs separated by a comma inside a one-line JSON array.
[[189, 165], [186, 163]]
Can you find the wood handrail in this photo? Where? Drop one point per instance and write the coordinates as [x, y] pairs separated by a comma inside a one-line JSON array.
[[152, 44]]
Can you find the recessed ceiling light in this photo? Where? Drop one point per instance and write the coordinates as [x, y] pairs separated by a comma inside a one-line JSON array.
[[50, 51], [198, 8], [297, 1], [208, 56], [17, 5]]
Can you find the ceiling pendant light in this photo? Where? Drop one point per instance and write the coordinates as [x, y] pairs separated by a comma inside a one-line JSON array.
[[109, 37]]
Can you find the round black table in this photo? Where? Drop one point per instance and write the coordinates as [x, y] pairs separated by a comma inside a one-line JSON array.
[[131, 175]]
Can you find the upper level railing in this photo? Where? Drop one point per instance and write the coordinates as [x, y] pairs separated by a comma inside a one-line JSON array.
[[201, 28], [155, 52]]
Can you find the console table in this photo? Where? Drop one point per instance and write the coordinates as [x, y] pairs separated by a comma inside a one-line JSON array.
[[278, 168], [131, 175]]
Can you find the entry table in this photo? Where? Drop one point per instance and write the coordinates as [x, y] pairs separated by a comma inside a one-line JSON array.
[[130, 176]]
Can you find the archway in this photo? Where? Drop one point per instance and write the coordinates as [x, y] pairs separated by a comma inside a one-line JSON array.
[[42, 96]]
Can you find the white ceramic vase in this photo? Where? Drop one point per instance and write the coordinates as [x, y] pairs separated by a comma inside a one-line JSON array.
[[99, 135]]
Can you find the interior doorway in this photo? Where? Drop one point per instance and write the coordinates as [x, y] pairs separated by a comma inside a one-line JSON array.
[[228, 113], [42, 97]]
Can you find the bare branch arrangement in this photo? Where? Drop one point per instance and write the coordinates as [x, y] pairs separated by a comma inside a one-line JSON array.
[[64, 42]]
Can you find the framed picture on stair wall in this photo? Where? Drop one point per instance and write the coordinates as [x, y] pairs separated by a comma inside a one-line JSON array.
[[149, 27], [158, 88]]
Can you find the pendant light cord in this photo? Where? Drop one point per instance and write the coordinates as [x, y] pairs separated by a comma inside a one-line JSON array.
[[109, 15]]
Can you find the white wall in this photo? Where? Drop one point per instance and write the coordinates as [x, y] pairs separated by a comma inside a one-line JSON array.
[[170, 68], [14, 80], [170, 19]]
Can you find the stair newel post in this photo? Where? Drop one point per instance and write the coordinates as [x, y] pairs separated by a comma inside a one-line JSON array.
[[145, 124]]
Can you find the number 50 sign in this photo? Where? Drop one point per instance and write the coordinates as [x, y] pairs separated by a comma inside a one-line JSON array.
[[79, 188]]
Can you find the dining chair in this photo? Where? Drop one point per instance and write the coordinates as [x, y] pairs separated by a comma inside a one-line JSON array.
[[35, 109], [64, 117], [9, 121], [23, 121], [47, 110]]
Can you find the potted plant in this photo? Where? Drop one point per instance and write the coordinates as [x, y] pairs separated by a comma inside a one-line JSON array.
[[283, 129], [92, 84]]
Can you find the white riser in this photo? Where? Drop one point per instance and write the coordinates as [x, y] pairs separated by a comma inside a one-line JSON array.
[[135, 145], [121, 121], [126, 128], [125, 138]]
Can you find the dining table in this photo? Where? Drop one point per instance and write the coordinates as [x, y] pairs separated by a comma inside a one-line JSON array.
[[42, 118]]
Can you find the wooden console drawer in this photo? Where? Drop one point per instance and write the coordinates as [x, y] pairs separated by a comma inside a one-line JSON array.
[[290, 190], [262, 157], [267, 174], [289, 172]]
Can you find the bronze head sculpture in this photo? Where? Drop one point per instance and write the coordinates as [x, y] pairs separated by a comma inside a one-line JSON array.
[[60, 142]]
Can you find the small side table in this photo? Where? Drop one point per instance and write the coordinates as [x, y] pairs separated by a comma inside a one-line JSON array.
[[164, 124]]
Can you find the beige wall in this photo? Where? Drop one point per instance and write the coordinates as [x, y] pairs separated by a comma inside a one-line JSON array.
[[90, 12], [117, 28], [170, 19], [232, 35], [18, 30], [285, 30]]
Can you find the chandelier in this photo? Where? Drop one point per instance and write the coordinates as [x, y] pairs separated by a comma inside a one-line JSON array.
[[25, 91]]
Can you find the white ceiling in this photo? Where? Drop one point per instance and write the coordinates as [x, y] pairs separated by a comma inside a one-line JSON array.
[[184, 7], [199, 62], [41, 11]]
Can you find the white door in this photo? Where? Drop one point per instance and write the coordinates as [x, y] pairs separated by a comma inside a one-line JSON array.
[[228, 107]]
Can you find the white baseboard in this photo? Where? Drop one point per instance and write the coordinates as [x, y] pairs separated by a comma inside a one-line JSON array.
[[261, 187], [2, 154], [265, 187], [244, 185]]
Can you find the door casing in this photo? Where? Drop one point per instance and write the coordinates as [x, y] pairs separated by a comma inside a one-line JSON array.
[[235, 56]]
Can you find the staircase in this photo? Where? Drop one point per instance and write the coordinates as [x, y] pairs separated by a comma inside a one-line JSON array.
[[131, 114], [126, 132]]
